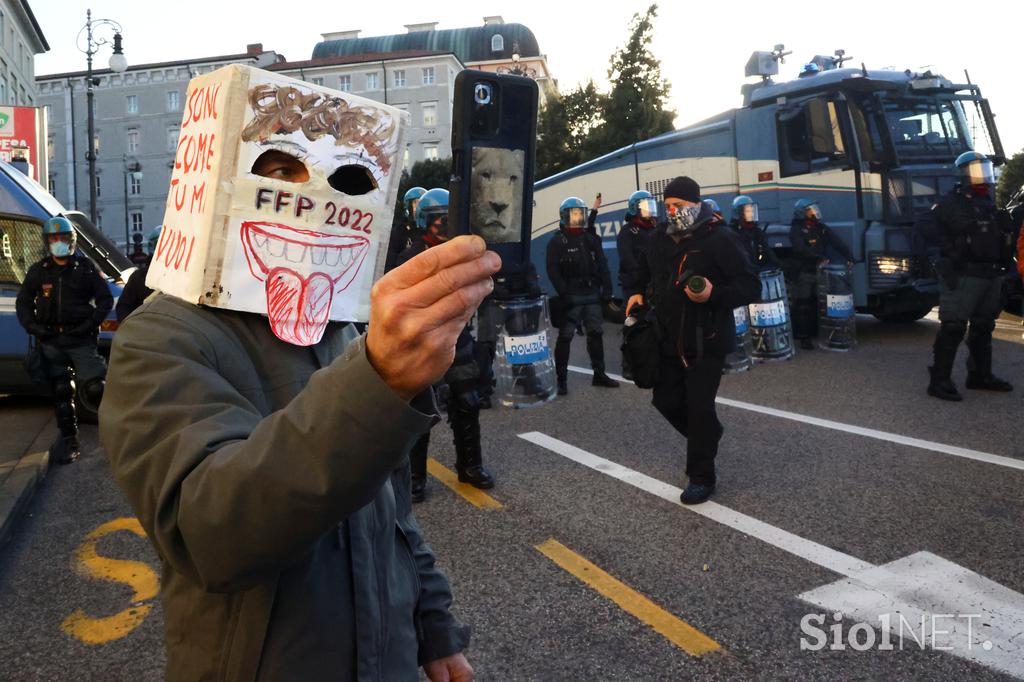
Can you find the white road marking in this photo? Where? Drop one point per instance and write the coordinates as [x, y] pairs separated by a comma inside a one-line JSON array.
[[985, 619], [811, 551], [919, 443]]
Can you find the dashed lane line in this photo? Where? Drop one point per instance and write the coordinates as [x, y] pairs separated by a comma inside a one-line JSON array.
[[474, 496], [919, 443], [682, 634]]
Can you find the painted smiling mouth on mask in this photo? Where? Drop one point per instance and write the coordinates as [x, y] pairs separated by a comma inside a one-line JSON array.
[[301, 271]]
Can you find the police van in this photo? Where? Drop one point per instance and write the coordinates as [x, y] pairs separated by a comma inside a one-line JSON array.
[[24, 206], [874, 149]]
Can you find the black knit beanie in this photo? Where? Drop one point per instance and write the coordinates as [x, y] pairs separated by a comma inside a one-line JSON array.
[[684, 188]]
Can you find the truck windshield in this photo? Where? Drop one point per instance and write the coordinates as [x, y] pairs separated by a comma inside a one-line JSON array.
[[925, 129]]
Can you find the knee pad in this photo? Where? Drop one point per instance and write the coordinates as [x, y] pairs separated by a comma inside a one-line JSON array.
[[984, 327], [953, 332], [92, 393], [64, 389]]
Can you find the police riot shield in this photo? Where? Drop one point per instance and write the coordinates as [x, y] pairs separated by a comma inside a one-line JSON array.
[[741, 359], [837, 326], [525, 371], [771, 330]]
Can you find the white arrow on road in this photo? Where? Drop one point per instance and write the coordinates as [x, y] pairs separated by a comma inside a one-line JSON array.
[[961, 610]]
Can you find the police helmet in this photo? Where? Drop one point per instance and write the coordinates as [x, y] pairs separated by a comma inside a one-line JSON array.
[[642, 204], [409, 201], [975, 169], [431, 205], [810, 69], [801, 207], [152, 239], [572, 213], [714, 205], [59, 225], [741, 213]]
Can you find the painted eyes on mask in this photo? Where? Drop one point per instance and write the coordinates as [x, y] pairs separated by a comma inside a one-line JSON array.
[[351, 179]]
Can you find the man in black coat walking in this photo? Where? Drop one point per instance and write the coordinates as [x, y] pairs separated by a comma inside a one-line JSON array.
[[693, 275]]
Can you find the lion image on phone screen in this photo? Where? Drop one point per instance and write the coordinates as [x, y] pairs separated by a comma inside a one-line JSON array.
[[496, 194]]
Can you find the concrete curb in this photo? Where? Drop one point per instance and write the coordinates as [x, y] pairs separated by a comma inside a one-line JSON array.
[[19, 479]]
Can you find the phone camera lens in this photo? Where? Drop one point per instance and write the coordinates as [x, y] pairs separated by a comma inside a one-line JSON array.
[[482, 93]]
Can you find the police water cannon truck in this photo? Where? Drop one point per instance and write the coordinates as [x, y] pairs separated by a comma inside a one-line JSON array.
[[873, 148]]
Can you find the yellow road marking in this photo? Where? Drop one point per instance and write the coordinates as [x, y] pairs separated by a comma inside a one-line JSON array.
[[680, 633], [450, 478], [135, 574]]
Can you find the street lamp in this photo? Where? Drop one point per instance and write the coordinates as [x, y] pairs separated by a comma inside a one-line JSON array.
[[130, 169], [118, 64]]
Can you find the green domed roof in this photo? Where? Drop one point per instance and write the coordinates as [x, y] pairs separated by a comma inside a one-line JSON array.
[[468, 44]]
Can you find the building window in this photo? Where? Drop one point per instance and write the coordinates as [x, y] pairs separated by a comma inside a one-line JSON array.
[[317, 80], [172, 138], [405, 158], [428, 75], [131, 104], [133, 140], [371, 81], [3, 89], [429, 110], [51, 148], [173, 100], [97, 189], [430, 151], [345, 83], [99, 218], [136, 218], [400, 78], [497, 43], [51, 185], [135, 184], [96, 143]]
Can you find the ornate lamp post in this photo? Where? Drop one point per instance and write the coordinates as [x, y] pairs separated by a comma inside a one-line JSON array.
[[118, 64]]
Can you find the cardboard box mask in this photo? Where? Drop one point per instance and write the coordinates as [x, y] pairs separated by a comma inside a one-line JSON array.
[[301, 253]]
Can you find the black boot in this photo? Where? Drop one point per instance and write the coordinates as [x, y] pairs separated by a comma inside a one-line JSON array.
[[979, 363], [418, 468], [562, 364], [946, 341], [468, 457], [595, 348]]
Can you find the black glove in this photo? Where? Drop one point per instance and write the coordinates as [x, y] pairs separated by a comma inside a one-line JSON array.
[[40, 332]]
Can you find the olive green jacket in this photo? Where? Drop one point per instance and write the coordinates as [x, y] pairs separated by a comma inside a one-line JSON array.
[[273, 482]]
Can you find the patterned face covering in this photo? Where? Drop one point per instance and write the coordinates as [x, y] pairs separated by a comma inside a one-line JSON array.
[[682, 220]]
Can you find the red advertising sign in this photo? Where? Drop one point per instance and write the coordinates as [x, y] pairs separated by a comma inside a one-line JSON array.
[[23, 136]]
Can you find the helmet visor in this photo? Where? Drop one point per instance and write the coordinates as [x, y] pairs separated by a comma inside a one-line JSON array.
[[812, 212], [748, 213], [576, 218], [647, 208], [413, 205], [979, 172]]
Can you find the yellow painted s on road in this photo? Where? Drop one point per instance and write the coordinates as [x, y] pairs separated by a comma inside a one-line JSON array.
[[135, 574]]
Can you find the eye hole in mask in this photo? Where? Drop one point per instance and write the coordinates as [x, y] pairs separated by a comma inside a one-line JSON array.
[[353, 180], [279, 165]]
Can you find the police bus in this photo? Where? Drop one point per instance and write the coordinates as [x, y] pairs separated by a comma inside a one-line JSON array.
[[874, 148]]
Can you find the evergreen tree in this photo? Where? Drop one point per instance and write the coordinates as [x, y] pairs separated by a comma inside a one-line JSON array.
[[635, 109], [1011, 178], [428, 174], [564, 128]]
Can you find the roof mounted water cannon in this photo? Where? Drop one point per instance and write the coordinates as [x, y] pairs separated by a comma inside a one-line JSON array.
[[766, 64], [826, 63]]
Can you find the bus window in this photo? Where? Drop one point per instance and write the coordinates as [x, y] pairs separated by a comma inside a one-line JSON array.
[[21, 245]]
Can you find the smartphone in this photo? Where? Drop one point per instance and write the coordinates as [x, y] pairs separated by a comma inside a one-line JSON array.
[[494, 137]]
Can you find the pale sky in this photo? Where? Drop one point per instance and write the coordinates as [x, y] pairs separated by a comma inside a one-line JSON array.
[[703, 47]]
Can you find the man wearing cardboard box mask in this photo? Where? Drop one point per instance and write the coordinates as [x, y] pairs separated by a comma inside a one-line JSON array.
[[262, 443]]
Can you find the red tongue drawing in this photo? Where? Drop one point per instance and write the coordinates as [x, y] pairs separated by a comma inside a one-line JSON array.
[[298, 308]]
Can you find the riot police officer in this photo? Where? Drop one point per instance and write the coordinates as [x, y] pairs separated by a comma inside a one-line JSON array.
[[975, 242], [61, 303], [135, 290], [745, 223], [813, 244], [403, 236], [578, 270], [633, 240], [461, 378]]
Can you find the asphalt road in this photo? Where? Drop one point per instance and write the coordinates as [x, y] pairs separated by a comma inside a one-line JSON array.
[[834, 493]]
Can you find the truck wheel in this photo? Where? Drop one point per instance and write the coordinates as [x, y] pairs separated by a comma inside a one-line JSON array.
[[903, 317]]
